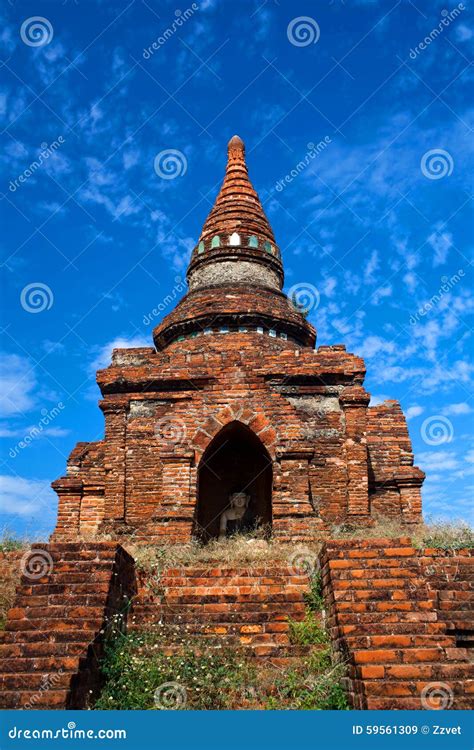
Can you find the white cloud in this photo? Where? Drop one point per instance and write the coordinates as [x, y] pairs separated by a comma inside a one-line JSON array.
[[414, 411], [17, 383], [441, 243], [381, 293], [463, 33], [453, 410], [438, 461], [373, 346], [25, 497], [371, 267]]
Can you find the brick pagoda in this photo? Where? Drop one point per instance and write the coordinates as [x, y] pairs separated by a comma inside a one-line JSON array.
[[234, 397]]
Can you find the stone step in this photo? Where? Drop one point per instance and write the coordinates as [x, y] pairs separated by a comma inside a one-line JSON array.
[[77, 634], [34, 680], [47, 699], [387, 628], [431, 654], [44, 648], [400, 641]]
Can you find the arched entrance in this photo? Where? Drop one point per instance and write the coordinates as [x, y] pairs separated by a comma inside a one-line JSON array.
[[235, 461]]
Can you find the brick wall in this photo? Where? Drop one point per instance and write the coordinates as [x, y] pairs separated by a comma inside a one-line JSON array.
[[333, 459], [402, 620], [69, 595]]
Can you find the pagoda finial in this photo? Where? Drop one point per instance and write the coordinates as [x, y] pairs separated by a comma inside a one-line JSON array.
[[236, 149]]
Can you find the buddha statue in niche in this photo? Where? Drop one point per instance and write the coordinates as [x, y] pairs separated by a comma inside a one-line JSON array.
[[234, 517]]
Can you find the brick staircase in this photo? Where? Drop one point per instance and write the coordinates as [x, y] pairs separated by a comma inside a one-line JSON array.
[[246, 606], [54, 633], [397, 615]]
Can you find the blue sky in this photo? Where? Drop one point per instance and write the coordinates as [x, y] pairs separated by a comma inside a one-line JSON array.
[[97, 233]]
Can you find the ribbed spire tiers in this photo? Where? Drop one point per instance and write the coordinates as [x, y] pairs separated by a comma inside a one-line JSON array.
[[235, 275], [236, 241], [237, 207]]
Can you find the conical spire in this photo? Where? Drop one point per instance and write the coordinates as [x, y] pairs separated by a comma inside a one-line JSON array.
[[237, 207], [235, 275]]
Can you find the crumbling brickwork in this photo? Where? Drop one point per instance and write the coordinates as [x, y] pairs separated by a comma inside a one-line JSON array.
[[401, 619], [237, 355], [70, 596]]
